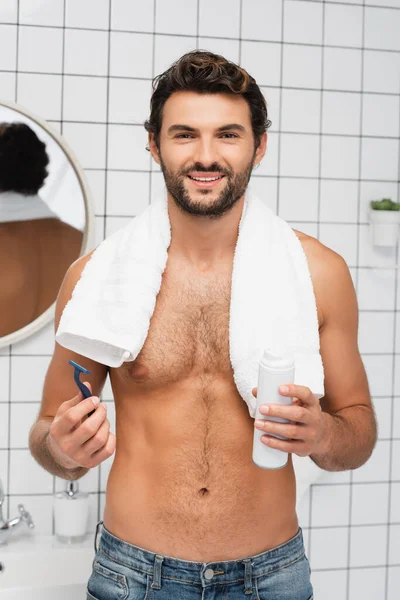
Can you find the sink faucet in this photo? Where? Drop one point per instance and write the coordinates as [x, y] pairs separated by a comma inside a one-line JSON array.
[[6, 527]]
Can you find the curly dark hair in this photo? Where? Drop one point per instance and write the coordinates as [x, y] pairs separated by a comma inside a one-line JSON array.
[[23, 159], [208, 73]]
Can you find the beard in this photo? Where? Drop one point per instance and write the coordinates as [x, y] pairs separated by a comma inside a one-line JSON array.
[[235, 186]]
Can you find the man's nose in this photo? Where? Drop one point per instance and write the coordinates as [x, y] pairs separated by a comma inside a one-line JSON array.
[[206, 153]]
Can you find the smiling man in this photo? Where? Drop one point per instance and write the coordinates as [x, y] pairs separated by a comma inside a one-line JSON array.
[[188, 514]]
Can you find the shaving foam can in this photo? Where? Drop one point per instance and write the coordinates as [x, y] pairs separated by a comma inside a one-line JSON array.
[[276, 368]]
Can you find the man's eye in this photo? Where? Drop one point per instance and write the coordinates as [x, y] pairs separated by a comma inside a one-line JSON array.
[[185, 135]]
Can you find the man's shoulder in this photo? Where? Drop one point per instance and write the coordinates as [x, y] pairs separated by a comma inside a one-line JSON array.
[[317, 251], [325, 265]]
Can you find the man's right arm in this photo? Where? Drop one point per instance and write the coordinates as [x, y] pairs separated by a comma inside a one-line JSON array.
[[49, 460], [61, 393]]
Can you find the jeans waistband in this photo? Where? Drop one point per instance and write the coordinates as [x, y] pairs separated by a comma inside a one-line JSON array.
[[228, 570]]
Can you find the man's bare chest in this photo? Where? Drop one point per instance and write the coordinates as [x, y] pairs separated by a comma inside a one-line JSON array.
[[189, 330]]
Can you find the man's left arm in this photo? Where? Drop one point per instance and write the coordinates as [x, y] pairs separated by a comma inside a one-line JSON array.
[[339, 431]]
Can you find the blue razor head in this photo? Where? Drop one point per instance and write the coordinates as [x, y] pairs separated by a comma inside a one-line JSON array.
[[77, 371], [81, 369]]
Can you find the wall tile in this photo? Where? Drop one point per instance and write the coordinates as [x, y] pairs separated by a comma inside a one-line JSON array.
[[343, 25], [4, 412], [34, 44], [8, 47], [210, 12], [185, 17], [262, 21], [298, 199], [299, 155], [393, 582], [339, 200], [383, 410], [381, 115], [265, 61], [303, 22], [342, 69], [382, 27], [91, 14], [332, 555], [376, 332], [340, 157], [129, 101], [379, 159], [9, 11], [89, 143], [302, 66], [341, 113], [381, 71], [121, 137], [7, 86], [132, 15], [301, 111], [85, 99], [93, 60], [131, 54], [329, 584], [27, 476], [339, 511], [369, 504], [127, 193], [23, 415], [362, 552], [40, 94], [32, 12], [367, 583]]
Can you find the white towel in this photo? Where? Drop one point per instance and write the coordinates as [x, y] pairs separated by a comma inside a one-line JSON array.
[[272, 300], [18, 207]]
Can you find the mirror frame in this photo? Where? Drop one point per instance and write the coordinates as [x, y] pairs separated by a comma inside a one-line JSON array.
[[88, 233]]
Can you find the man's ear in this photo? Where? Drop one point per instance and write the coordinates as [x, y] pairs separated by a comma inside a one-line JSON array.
[[153, 148], [262, 146]]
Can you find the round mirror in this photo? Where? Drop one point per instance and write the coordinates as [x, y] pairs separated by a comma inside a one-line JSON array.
[[46, 220]]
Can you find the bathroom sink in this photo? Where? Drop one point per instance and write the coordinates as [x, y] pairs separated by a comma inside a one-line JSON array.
[[45, 567]]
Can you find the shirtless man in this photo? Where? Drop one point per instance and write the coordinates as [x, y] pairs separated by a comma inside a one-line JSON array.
[[186, 508]]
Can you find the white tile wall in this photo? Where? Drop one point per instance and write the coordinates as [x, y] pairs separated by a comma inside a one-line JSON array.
[[302, 66], [303, 22], [343, 25], [330, 72], [132, 15], [32, 12], [9, 11], [131, 54], [91, 14], [40, 49]]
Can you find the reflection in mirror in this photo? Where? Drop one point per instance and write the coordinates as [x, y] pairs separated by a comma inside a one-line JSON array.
[[42, 219]]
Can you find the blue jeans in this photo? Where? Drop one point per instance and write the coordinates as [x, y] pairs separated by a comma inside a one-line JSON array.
[[123, 571]]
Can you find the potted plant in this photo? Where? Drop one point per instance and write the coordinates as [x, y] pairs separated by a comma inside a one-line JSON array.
[[385, 221]]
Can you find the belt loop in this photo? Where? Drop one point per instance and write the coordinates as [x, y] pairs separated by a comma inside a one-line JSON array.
[[96, 534], [157, 572], [247, 576]]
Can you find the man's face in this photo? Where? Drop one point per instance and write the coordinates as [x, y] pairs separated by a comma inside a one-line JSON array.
[[206, 151]]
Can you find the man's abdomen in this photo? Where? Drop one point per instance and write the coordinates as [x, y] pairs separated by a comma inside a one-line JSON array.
[[183, 482]]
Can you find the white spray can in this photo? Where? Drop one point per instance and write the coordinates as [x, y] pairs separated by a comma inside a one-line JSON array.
[[275, 370]]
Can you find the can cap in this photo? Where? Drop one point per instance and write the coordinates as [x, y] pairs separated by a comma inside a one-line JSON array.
[[278, 358]]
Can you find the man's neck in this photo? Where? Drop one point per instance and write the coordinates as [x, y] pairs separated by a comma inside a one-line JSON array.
[[202, 241]]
